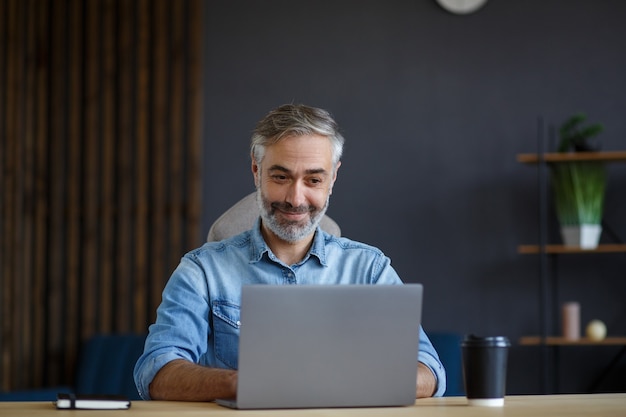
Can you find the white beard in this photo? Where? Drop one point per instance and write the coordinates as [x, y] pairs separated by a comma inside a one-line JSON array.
[[288, 231]]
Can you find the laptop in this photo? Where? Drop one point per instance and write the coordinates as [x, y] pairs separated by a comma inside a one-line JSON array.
[[324, 346]]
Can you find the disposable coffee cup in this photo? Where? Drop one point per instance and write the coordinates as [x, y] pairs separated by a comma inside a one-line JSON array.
[[484, 369]]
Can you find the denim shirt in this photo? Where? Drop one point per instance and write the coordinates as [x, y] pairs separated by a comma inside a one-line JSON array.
[[198, 319]]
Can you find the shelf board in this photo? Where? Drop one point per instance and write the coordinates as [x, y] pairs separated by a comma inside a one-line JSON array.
[[616, 156], [561, 341], [562, 249]]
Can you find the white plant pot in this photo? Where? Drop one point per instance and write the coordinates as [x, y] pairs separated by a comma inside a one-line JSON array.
[[584, 236]]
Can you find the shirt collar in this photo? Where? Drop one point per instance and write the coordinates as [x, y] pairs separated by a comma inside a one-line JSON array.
[[259, 247]]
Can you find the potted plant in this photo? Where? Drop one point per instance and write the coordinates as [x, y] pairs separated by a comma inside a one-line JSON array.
[[579, 186]]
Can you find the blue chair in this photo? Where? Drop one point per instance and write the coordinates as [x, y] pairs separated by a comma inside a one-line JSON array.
[[105, 366], [448, 346]]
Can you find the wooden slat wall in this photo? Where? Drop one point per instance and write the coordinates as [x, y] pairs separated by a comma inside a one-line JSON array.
[[100, 128]]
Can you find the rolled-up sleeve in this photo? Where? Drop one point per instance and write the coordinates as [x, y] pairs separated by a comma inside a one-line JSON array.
[[146, 368], [429, 357], [181, 328]]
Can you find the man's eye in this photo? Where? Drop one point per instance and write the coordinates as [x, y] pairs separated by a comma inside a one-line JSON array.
[[315, 181], [279, 177]]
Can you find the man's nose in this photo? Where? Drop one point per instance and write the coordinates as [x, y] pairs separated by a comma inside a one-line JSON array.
[[295, 195]]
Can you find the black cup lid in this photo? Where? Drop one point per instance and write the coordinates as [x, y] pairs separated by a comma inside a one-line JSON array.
[[489, 341]]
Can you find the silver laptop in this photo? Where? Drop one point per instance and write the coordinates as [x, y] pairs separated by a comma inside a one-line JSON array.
[[328, 346]]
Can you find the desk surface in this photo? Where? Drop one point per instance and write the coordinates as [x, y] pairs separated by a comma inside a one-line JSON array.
[[605, 405]]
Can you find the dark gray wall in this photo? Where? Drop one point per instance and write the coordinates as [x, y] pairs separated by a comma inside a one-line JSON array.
[[435, 108]]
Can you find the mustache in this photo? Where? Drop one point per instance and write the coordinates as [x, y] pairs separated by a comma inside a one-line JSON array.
[[288, 208]]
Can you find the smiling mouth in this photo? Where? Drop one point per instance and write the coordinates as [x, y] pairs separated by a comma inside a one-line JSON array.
[[288, 208], [291, 213]]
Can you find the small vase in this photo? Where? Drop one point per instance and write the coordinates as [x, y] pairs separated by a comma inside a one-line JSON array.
[[584, 236]]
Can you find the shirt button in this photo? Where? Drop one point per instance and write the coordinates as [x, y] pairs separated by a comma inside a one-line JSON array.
[[238, 323]]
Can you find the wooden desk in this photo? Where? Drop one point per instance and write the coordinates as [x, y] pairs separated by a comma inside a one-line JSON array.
[[605, 405]]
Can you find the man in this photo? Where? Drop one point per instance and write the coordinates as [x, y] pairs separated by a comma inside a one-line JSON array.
[[191, 351]]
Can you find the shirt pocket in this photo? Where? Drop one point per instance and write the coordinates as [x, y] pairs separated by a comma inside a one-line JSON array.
[[226, 333]]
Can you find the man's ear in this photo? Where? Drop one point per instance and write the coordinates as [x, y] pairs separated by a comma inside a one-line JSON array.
[[256, 171], [334, 176]]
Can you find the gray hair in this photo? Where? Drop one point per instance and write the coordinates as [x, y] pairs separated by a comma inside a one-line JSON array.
[[295, 120]]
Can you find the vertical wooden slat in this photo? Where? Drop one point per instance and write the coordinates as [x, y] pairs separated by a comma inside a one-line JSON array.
[[4, 351], [193, 91], [20, 312], [57, 137], [142, 166], [107, 277], [28, 206], [160, 163], [177, 140], [18, 240], [74, 182], [125, 174], [9, 348], [40, 259], [4, 327], [91, 169]]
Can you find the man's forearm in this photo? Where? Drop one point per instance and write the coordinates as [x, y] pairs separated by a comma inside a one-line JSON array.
[[426, 381], [180, 380]]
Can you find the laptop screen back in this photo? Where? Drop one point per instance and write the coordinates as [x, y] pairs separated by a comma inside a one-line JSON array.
[[328, 346]]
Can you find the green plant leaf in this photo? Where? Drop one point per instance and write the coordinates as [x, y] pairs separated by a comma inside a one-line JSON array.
[[579, 188], [573, 135]]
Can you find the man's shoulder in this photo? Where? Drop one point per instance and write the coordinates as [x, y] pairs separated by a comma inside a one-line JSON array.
[[240, 241], [344, 243]]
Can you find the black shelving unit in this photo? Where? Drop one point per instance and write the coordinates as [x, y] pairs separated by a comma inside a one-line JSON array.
[[547, 255]]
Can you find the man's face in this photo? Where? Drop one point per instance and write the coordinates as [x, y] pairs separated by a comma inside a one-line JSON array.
[[294, 182]]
